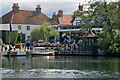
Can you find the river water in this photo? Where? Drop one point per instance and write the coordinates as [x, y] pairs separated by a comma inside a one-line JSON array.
[[60, 67]]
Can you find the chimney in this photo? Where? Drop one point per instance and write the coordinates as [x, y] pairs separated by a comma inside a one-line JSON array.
[[38, 9], [55, 17], [15, 8], [80, 7], [60, 13]]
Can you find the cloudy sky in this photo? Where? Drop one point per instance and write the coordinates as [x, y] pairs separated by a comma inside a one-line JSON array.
[[48, 6]]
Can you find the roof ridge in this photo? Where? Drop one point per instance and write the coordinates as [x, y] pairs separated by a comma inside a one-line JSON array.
[[27, 17], [27, 10], [7, 13]]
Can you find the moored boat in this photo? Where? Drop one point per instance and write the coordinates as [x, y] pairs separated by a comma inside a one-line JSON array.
[[42, 51], [19, 53]]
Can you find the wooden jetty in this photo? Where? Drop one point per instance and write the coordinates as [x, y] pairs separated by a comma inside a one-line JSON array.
[[56, 53], [75, 53], [14, 53]]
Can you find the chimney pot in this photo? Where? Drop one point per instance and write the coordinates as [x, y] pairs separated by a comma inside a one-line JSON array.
[[38, 6], [60, 13], [80, 7], [15, 8], [38, 9]]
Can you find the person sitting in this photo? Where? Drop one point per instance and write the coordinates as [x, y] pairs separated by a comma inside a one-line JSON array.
[[76, 47], [79, 43]]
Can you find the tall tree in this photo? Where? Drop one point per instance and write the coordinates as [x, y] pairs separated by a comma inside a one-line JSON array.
[[47, 31], [35, 35], [43, 33], [106, 15]]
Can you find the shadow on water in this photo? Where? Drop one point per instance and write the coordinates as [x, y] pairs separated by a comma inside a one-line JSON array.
[[61, 67]]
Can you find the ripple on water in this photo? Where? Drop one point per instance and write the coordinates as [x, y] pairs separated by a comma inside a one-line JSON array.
[[54, 73]]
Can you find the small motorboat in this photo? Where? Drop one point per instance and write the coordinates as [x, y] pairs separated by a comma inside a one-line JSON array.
[[42, 51]]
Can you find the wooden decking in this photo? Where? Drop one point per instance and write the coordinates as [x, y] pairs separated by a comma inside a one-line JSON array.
[[75, 53], [59, 53]]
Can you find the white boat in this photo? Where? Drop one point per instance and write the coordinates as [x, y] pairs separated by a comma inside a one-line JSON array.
[[19, 53], [42, 51]]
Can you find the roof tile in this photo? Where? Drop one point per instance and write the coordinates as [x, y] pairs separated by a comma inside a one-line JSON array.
[[27, 17], [65, 19]]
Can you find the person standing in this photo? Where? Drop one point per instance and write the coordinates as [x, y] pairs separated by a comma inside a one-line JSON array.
[[80, 42], [73, 45], [30, 47]]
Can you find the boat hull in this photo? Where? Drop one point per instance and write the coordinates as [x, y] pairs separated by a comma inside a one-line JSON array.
[[52, 53]]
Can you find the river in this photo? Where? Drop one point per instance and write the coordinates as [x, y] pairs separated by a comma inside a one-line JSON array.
[[60, 67]]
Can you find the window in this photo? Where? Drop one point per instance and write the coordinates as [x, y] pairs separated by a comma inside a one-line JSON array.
[[28, 27], [19, 27], [28, 38]]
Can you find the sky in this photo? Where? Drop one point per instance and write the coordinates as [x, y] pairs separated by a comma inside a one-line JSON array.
[[48, 6]]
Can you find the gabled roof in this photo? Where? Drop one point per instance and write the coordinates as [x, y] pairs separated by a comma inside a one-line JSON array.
[[65, 19], [27, 17], [89, 34]]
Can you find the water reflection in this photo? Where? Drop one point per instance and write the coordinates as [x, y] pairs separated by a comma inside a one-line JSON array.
[[60, 67]]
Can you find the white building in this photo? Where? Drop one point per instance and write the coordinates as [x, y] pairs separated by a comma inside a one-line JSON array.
[[25, 21]]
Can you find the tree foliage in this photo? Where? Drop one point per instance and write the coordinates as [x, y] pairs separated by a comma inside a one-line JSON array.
[[5, 36], [47, 31], [35, 35], [109, 45], [107, 15], [44, 32], [21, 37], [99, 13]]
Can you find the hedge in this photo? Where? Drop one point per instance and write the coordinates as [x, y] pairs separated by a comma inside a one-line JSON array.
[[5, 36]]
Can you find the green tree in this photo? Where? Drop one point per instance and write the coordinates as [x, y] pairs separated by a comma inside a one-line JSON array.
[[106, 15], [43, 33], [1, 42], [109, 45], [21, 37], [5, 36], [47, 31], [35, 35]]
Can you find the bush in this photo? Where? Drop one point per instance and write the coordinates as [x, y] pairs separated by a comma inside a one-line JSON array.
[[5, 36]]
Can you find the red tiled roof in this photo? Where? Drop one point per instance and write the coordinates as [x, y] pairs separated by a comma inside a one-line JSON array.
[[27, 17], [65, 19]]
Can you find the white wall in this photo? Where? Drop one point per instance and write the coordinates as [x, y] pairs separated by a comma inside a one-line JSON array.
[[23, 28], [76, 20]]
